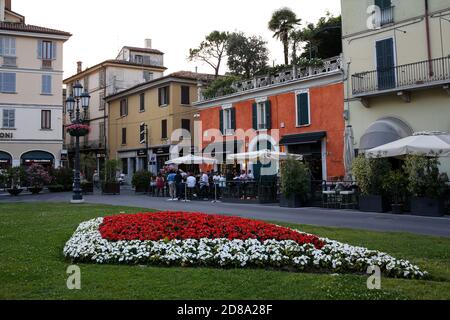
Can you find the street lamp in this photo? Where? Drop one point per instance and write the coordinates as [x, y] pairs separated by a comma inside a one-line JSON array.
[[77, 116]]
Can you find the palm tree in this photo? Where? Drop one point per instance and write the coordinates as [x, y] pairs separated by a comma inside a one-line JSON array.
[[282, 23]]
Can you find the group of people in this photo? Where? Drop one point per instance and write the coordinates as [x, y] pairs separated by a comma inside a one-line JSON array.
[[205, 185]]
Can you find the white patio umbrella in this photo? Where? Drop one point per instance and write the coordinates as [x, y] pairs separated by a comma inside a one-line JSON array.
[[422, 143], [263, 155], [192, 159], [349, 151]]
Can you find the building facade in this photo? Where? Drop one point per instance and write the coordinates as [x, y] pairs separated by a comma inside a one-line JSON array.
[[31, 110], [143, 120], [397, 58], [131, 67], [298, 111]]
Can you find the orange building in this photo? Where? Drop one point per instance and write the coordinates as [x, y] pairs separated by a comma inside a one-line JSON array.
[[300, 111]]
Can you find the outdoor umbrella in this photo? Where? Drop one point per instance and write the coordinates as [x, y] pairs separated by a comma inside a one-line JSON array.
[[349, 151], [191, 159], [263, 155], [424, 143]]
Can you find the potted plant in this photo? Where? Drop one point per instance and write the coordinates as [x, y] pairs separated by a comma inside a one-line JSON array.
[[14, 177], [37, 178], [78, 130], [370, 174], [395, 185], [141, 181], [110, 185], [295, 184], [426, 186]]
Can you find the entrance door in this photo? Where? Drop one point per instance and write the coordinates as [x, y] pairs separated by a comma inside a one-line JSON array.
[[385, 64]]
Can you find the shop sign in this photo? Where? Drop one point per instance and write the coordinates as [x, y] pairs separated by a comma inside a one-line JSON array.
[[6, 135]]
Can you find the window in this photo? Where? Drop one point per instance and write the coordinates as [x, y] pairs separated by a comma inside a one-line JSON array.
[[102, 102], [148, 76], [385, 64], [46, 119], [124, 136], [9, 118], [386, 12], [123, 107], [138, 59], [7, 82], [303, 109], [227, 120], [7, 46], [101, 131], [46, 87], [163, 96], [142, 133], [262, 115], [164, 129], [185, 99], [142, 102], [186, 124], [46, 50], [125, 166]]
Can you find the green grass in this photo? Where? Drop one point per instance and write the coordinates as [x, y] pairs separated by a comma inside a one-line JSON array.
[[32, 237]]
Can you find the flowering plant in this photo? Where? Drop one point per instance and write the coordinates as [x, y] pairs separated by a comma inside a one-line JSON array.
[[78, 130], [37, 176], [108, 240]]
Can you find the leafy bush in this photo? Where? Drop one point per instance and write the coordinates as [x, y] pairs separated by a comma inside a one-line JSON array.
[[37, 176], [62, 177], [295, 179], [371, 174], [221, 86], [424, 179], [303, 62], [109, 173], [15, 177], [395, 184], [141, 179]]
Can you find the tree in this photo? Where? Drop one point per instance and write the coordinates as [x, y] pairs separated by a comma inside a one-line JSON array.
[[211, 51], [246, 55], [297, 37], [282, 23], [324, 39]]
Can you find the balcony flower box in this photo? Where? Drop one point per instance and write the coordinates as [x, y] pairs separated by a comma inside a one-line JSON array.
[[78, 130]]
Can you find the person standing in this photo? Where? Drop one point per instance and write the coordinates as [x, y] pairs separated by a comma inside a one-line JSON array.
[[191, 185], [160, 185], [204, 185], [171, 183], [179, 185]]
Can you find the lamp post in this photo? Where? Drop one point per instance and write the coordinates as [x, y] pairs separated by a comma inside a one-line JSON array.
[[77, 116]]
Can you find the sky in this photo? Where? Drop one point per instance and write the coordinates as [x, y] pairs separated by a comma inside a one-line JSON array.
[[101, 27]]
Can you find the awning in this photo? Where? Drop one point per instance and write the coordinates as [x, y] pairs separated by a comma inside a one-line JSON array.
[[38, 156], [303, 138], [384, 131], [5, 156]]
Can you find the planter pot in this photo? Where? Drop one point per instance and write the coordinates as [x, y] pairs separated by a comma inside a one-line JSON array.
[[397, 208], [141, 189], [15, 192], [35, 190], [111, 188], [78, 133], [291, 202], [427, 207], [372, 203]]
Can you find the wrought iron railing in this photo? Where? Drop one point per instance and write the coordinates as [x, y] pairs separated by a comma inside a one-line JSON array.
[[422, 73]]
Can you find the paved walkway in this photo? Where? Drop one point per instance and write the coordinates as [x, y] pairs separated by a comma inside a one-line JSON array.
[[309, 216]]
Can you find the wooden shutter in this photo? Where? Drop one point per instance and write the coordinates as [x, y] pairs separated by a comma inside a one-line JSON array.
[[167, 95], [164, 129], [124, 135], [159, 96], [268, 115], [233, 118], [303, 109], [185, 98], [255, 116], [221, 121], [53, 50], [39, 49]]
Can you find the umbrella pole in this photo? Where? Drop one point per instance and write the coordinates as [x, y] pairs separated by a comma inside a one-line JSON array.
[[215, 194], [185, 193]]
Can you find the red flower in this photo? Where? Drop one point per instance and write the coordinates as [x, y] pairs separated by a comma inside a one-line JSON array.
[[183, 225]]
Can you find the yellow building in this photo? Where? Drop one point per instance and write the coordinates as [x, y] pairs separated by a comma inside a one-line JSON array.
[[397, 58], [158, 107]]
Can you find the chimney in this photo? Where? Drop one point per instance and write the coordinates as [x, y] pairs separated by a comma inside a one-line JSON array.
[[79, 67], [148, 43], [8, 5]]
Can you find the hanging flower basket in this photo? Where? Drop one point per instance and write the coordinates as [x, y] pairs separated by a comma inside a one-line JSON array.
[[78, 130]]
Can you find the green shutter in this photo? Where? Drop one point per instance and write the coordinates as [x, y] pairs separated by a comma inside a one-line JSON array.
[[269, 114], [303, 109], [255, 116], [233, 118], [221, 120]]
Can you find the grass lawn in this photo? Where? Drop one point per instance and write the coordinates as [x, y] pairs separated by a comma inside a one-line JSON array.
[[32, 266]]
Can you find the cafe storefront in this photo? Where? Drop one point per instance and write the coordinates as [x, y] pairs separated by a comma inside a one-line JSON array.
[[5, 160]]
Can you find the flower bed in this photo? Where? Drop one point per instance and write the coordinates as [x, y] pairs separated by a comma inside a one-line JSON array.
[[182, 239]]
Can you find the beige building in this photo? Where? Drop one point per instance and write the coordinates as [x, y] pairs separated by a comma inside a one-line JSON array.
[[397, 57], [31, 72], [155, 110], [131, 67]]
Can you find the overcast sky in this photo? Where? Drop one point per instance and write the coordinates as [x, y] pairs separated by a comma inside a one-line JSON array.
[[101, 27]]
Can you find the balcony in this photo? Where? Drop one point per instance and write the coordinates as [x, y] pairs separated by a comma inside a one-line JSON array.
[[47, 65], [428, 73], [385, 17]]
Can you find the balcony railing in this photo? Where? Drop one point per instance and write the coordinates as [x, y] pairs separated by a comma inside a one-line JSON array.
[[47, 64], [408, 76]]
